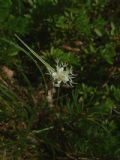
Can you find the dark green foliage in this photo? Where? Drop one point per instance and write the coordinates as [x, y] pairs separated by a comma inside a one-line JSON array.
[[79, 122]]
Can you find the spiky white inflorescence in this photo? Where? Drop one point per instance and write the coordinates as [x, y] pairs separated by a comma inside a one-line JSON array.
[[62, 75]]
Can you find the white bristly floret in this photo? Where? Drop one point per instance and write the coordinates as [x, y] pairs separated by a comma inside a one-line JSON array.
[[62, 75]]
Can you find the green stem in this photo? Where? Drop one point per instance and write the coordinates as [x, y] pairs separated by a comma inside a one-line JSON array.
[[36, 55]]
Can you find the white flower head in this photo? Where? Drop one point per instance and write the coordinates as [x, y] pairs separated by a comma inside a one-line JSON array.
[[62, 75]]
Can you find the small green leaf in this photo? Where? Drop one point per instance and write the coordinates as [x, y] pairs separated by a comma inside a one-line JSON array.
[[98, 32]]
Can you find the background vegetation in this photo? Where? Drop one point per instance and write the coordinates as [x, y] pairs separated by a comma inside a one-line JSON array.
[[37, 122]]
